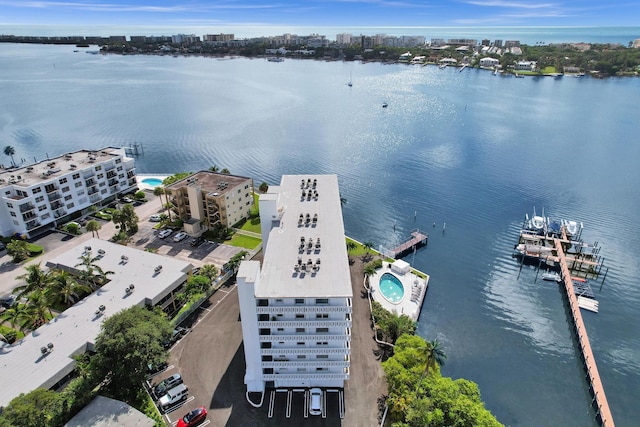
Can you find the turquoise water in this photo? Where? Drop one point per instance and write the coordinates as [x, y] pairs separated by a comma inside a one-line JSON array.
[[391, 288], [153, 182], [471, 149]]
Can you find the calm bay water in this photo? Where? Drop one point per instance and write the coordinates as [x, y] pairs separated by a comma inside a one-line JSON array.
[[471, 149]]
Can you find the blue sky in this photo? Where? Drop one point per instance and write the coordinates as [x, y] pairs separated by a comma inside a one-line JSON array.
[[347, 13]]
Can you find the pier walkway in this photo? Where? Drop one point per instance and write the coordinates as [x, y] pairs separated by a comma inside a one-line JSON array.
[[417, 239], [597, 389]]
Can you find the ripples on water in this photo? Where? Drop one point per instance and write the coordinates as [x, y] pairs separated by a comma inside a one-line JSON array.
[[469, 149]]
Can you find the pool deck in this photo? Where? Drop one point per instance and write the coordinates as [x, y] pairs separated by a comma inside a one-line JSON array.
[[415, 289], [143, 186]]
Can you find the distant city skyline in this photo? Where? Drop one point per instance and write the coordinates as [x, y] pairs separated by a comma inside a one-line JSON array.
[[345, 13]]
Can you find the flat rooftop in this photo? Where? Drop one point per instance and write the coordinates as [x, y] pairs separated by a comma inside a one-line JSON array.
[[292, 253], [46, 170], [212, 182], [24, 368]]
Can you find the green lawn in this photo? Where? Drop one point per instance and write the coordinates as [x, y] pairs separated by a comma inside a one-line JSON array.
[[359, 249], [252, 224], [243, 241]]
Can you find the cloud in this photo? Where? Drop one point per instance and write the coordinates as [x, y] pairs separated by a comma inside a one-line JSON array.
[[114, 7], [511, 4]]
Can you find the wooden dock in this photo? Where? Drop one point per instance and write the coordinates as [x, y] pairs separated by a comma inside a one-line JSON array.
[[597, 389], [415, 241]]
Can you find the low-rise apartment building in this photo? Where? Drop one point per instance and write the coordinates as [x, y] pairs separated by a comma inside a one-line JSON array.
[[52, 192], [296, 307], [206, 199], [44, 358]]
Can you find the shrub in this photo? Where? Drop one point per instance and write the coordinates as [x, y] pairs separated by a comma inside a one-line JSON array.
[[140, 195], [8, 333], [34, 250]]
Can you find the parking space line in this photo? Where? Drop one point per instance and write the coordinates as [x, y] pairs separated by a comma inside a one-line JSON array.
[[272, 398], [289, 396]]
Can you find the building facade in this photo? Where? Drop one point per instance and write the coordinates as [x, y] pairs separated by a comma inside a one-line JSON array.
[[206, 199], [52, 192], [296, 307]]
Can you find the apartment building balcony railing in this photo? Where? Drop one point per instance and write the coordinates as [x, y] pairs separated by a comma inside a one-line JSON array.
[[113, 182], [32, 224], [95, 197], [111, 174], [320, 376], [92, 190], [53, 196], [59, 213], [131, 173], [56, 205], [305, 337], [29, 215], [308, 351], [88, 174], [305, 324], [294, 363], [311, 309], [51, 188], [90, 182], [27, 207], [132, 182]]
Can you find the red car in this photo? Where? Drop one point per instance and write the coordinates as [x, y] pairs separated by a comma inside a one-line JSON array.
[[193, 418]]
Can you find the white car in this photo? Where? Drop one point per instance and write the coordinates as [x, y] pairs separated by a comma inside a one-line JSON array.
[[173, 396], [154, 218], [165, 233], [315, 401], [180, 236]]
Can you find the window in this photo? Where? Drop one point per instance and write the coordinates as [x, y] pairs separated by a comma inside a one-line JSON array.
[[12, 213], [70, 206], [322, 315], [322, 356], [65, 189], [41, 208], [302, 356], [78, 184], [118, 161], [67, 198], [36, 190], [322, 330], [119, 168], [322, 301], [75, 176], [280, 329], [9, 204], [63, 180], [98, 168], [299, 301], [322, 343], [239, 191], [45, 216], [322, 369], [39, 199], [299, 316], [300, 330], [100, 176], [300, 343]]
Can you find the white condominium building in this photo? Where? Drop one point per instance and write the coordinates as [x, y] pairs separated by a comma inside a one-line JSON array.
[[296, 308], [48, 193]]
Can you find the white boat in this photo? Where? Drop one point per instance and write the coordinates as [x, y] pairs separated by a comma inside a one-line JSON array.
[[534, 250], [551, 277], [275, 59], [537, 222], [385, 105], [571, 227]]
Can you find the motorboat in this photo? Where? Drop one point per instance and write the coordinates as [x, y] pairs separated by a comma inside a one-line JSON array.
[[571, 227], [551, 277], [385, 105], [534, 250], [536, 223]]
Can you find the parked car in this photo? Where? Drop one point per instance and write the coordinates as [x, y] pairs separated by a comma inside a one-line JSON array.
[[167, 384], [180, 236], [315, 404], [8, 300], [165, 233], [127, 200], [154, 218], [196, 241], [173, 396], [193, 418], [2, 246], [155, 369]]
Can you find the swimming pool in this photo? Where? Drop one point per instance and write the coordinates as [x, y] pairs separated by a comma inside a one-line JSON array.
[[152, 182], [391, 288]]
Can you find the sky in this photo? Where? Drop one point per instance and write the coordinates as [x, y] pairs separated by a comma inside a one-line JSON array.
[[319, 13]]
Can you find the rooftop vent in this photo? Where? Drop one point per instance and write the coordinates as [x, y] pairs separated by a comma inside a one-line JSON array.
[[158, 269], [302, 184], [100, 310], [46, 350], [101, 251], [129, 289], [315, 182], [124, 258]]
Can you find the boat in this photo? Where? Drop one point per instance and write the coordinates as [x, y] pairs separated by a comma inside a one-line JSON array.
[[442, 66], [275, 59], [385, 105], [536, 223], [551, 277], [571, 227], [519, 76]]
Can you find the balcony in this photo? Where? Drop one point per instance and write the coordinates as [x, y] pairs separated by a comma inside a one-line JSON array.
[[92, 190], [311, 323], [308, 351], [312, 309], [56, 205], [88, 174], [93, 198], [53, 196], [113, 182], [320, 376], [305, 337], [33, 224], [90, 182], [27, 207], [59, 213], [311, 364], [49, 188]]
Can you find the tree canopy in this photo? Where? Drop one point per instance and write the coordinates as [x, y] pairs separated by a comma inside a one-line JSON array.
[[437, 401], [34, 409], [128, 343]]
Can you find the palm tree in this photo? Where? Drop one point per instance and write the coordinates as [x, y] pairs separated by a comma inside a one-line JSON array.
[[398, 325], [10, 151], [93, 226], [351, 245], [367, 246], [16, 315], [93, 274], [65, 289], [369, 270], [214, 168], [435, 355], [226, 171], [35, 278], [158, 192], [209, 270], [37, 308]]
